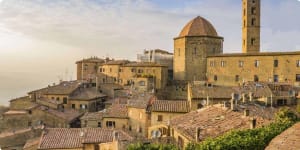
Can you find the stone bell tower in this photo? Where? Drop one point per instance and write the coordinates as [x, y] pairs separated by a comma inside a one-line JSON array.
[[251, 26]]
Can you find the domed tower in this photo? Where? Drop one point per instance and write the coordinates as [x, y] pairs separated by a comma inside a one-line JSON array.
[[197, 39]]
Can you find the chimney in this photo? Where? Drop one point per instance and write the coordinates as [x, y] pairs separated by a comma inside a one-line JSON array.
[[252, 123], [246, 112], [251, 96], [232, 101], [198, 131], [207, 100], [244, 97], [115, 136]]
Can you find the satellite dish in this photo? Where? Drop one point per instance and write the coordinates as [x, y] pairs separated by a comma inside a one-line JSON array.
[[155, 134]]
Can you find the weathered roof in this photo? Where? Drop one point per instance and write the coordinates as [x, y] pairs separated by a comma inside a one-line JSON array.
[[289, 139], [20, 98], [144, 64], [199, 91], [116, 62], [15, 112], [63, 88], [140, 100], [86, 94], [91, 60], [67, 114], [198, 27], [170, 106], [116, 111], [31, 142], [213, 121], [255, 54], [92, 116], [64, 138]]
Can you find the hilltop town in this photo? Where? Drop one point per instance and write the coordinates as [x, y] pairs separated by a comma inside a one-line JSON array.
[[189, 96]]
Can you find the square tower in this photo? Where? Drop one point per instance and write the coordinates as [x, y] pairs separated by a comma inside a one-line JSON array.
[[251, 26]]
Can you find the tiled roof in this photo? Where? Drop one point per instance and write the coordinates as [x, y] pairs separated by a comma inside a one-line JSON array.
[[15, 112], [63, 88], [198, 27], [31, 142], [92, 116], [170, 106], [47, 100], [143, 64], [64, 138], [86, 94], [140, 100], [116, 62], [20, 98], [213, 121], [91, 60], [288, 140], [199, 91], [67, 114], [116, 111]]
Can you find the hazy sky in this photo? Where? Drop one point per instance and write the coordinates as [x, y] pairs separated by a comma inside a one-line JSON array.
[[40, 40]]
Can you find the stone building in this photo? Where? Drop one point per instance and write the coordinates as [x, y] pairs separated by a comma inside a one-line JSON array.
[[236, 69], [87, 68], [196, 40], [209, 122]]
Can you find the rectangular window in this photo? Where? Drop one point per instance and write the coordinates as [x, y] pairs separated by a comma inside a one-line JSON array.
[[276, 63], [133, 70], [65, 100], [253, 10], [275, 78], [159, 118], [99, 124], [241, 63], [110, 69], [298, 77], [298, 63], [140, 71], [256, 63], [100, 70], [110, 124], [215, 78], [237, 78], [256, 79], [73, 106], [252, 41], [212, 63], [120, 70], [223, 63]]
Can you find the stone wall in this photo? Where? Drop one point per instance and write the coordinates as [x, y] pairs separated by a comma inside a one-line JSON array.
[[232, 73]]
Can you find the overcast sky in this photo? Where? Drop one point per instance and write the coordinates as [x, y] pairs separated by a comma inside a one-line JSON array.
[[40, 40]]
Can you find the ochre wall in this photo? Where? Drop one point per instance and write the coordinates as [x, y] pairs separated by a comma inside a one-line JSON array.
[[286, 69]]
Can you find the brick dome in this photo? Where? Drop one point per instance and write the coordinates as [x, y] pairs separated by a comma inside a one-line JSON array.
[[198, 27]]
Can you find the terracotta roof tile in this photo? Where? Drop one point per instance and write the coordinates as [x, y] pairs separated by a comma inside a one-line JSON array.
[[116, 111], [289, 139], [213, 121], [198, 27], [64, 138], [199, 91], [86, 94], [31, 142], [170, 106], [144, 64], [64, 88], [67, 114]]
